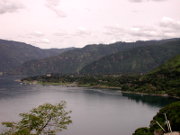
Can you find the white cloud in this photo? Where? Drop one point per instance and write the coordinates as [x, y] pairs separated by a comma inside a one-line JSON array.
[[53, 5], [37, 33], [135, 29], [45, 40], [170, 23], [135, 0], [144, 32], [113, 30], [9, 6], [41, 42], [166, 28], [82, 31], [78, 32], [138, 1]]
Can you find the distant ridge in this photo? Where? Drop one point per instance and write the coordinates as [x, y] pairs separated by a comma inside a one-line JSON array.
[[106, 58], [13, 54], [74, 61], [137, 60]]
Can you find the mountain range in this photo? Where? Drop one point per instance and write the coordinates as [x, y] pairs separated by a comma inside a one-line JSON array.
[[136, 60], [163, 80], [74, 60], [119, 57], [13, 54], [115, 58]]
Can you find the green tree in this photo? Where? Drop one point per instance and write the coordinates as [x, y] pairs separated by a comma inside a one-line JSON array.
[[173, 115], [142, 131], [46, 119]]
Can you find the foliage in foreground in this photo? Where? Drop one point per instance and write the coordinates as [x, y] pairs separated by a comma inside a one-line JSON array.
[[46, 119], [173, 115], [142, 131]]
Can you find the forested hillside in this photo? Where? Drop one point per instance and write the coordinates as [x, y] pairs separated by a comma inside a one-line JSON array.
[[13, 54], [162, 81], [120, 57], [137, 60]]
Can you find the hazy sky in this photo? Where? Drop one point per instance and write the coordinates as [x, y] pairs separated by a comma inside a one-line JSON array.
[[67, 23]]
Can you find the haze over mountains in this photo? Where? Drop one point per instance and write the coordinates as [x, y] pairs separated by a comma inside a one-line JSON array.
[[119, 57], [13, 54], [73, 61]]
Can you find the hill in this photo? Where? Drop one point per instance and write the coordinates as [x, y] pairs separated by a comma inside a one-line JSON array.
[[75, 60], [136, 60], [162, 81], [13, 54]]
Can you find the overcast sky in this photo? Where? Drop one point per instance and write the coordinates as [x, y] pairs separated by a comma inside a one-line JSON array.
[[67, 23]]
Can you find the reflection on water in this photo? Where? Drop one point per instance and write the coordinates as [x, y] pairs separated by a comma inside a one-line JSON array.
[[94, 111], [150, 100]]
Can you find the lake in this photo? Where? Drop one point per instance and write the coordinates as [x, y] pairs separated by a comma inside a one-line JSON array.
[[94, 111]]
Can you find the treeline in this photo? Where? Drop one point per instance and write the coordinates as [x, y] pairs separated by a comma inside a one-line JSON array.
[[163, 80], [151, 84], [87, 80]]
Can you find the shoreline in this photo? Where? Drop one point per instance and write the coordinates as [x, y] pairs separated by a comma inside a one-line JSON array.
[[94, 87]]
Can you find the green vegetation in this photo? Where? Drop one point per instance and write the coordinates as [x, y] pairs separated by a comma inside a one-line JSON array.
[[173, 115], [106, 81], [46, 119], [161, 81], [13, 54], [137, 60], [142, 131], [116, 58]]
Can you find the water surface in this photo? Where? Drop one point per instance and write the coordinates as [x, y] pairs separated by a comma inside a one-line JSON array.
[[94, 111]]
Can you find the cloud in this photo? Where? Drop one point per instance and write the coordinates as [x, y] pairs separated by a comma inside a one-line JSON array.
[[144, 32], [170, 23], [139, 1], [166, 28], [82, 31], [9, 6], [135, 0], [78, 32], [45, 41], [114, 30], [41, 41], [114, 33], [53, 6], [37, 33], [153, 32]]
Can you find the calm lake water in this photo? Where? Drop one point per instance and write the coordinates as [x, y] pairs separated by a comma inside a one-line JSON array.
[[94, 111]]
